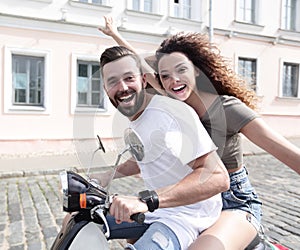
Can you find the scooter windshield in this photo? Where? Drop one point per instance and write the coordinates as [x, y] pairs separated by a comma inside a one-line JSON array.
[[100, 165]]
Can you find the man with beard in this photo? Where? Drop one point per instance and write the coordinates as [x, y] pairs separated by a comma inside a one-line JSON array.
[[180, 168]]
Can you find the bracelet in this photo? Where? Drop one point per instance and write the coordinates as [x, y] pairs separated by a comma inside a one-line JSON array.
[[150, 197]]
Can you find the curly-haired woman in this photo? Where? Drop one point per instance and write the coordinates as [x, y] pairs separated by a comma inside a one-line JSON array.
[[190, 69]]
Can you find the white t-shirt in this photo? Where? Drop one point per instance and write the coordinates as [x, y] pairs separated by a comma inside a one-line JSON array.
[[173, 136]]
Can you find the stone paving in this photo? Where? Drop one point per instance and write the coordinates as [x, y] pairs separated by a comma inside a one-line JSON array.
[[31, 212]]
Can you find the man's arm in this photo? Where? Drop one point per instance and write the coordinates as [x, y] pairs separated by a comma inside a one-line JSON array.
[[209, 177]]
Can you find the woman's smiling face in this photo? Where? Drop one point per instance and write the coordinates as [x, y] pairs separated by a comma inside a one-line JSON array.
[[178, 75]]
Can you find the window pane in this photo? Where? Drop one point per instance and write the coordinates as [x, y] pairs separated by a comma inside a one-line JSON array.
[[247, 10], [89, 85], [96, 85], [186, 6], [28, 80], [99, 2], [95, 99], [82, 98], [176, 10], [148, 6], [96, 71], [290, 80], [20, 96], [290, 14], [82, 69], [247, 68], [136, 5]]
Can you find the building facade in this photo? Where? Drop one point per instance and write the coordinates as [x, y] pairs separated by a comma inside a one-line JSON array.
[[51, 91]]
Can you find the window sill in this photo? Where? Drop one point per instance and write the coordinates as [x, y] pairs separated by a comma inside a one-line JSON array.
[[289, 34], [286, 98], [142, 14], [27, 110], [91, 6], [248, 25], [182, 20], [44, 1], [90, 111]]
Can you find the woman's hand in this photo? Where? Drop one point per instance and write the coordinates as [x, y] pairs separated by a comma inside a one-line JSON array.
[[110, 29]]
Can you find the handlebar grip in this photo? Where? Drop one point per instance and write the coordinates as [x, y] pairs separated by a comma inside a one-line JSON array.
[[138, 217]]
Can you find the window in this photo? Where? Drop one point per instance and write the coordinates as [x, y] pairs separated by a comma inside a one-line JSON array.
[[290, 81], [98, 2], [289, 15], [247, 11], [142, 5], [247, 68], [182, 8], [28, 80], [89, 86]]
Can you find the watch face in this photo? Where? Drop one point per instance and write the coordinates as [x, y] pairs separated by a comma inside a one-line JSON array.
[[145, 195]]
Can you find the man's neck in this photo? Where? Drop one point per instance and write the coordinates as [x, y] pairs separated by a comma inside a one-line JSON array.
[[146, 101]]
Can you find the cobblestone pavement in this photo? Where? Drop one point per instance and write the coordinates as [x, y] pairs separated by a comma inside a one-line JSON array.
[[31, 213]]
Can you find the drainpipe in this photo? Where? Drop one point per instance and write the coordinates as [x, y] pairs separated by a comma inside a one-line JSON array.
[[211, 28]]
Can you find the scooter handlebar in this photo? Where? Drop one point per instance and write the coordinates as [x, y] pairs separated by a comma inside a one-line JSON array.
[[138, 217]]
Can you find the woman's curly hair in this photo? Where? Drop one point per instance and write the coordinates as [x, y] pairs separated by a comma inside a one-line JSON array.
[[220, 77]]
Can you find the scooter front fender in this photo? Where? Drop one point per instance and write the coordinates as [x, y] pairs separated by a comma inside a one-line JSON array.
[[79, 232], [90, 237]]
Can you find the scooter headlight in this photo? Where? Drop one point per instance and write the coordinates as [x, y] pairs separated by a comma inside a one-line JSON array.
[[78, 193]]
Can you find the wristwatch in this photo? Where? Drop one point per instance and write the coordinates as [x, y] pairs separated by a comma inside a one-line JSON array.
[[150, 197]]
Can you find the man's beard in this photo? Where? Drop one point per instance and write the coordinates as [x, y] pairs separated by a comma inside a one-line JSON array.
[[131, 111]]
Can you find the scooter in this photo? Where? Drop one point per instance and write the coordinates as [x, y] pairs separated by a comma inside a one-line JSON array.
[[87, 204]]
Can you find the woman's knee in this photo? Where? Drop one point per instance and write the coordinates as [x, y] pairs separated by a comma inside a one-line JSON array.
[[231, 231]]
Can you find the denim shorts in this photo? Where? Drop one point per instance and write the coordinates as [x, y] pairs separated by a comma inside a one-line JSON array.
[[241, 195], [155, 236]]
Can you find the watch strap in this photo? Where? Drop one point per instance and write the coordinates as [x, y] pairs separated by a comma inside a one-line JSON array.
[[150, 197]]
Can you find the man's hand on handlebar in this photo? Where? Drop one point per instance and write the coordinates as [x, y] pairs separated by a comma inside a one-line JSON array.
[[123, 207]]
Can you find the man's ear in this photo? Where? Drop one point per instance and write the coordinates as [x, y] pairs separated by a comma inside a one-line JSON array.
[[144, 81]]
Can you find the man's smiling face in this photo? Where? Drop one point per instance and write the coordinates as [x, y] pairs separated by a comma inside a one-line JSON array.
[[124, 85]]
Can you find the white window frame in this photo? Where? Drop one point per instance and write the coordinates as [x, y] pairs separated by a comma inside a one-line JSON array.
[[282, 62], [248, 56], [104, 2], [196, 10], [8, 84], [180, 6], [155, 6], [257, 14], [74, 72], [283, 17], [249, 59]]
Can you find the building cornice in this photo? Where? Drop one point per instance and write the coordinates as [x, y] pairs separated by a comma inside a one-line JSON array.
[[73, 28], [279, 39]]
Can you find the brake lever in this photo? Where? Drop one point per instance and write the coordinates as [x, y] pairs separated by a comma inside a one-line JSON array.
[[99, 211]]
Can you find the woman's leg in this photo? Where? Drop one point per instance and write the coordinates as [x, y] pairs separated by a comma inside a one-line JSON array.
[[232, 231]]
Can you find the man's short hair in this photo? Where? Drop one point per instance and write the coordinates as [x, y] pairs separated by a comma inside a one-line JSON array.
[[114, 53]]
